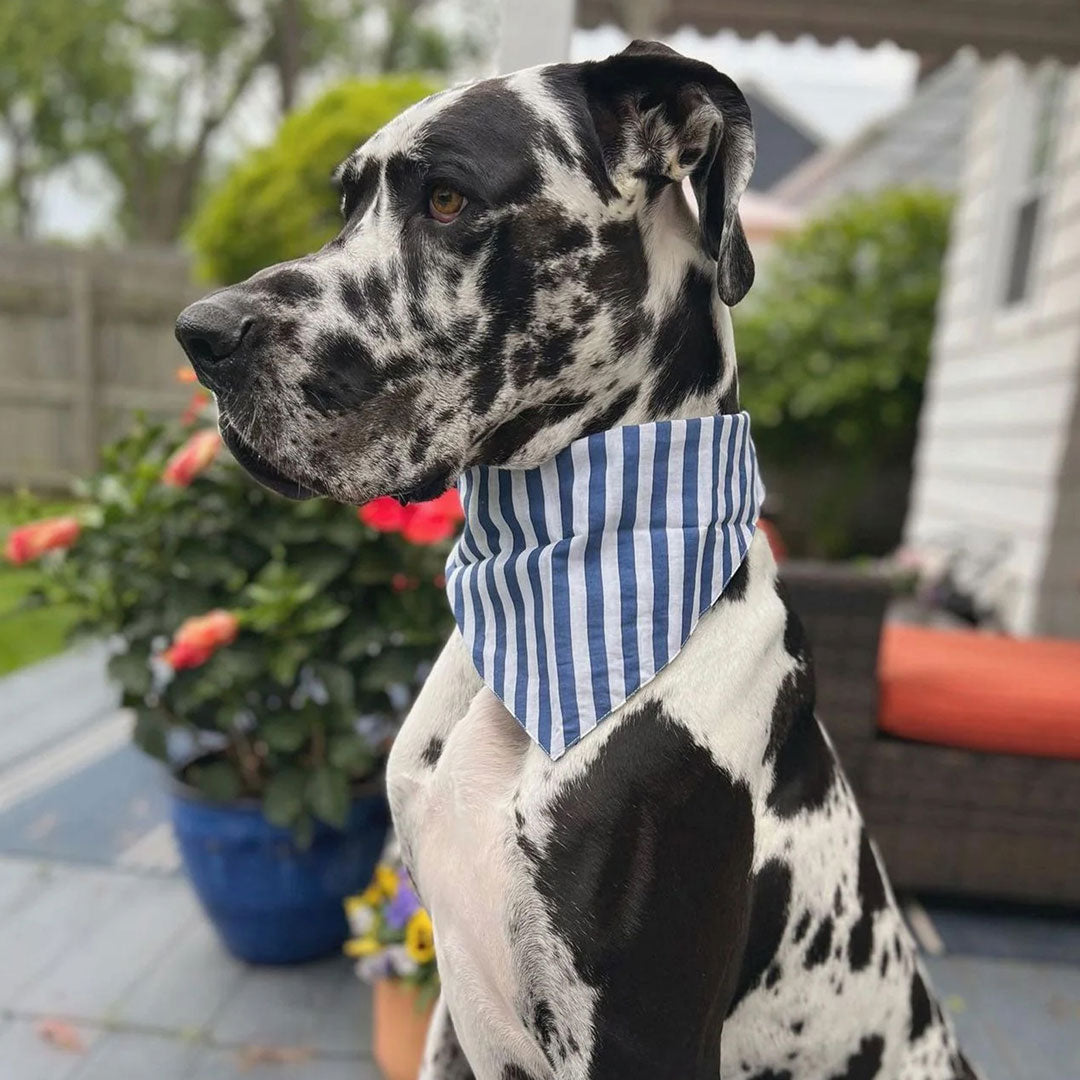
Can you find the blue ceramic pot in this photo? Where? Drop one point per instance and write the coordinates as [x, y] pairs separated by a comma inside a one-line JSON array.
[[271, 902]]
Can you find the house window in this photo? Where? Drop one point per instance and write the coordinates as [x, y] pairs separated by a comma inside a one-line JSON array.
[[1039, 131]]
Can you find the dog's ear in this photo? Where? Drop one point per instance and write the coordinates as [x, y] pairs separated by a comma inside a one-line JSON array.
[[663, 117]]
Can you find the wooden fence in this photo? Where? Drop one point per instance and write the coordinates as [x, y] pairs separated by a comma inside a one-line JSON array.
[[86, 339]]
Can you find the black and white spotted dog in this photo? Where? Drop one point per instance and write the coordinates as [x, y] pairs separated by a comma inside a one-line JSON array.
[[689, 892]]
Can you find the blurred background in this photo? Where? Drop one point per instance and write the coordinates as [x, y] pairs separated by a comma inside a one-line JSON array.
[[193, 670]]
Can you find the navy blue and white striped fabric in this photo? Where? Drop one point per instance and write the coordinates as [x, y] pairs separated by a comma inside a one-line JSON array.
[[575, 582]]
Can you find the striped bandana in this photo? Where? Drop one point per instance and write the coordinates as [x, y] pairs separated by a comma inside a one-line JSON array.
[[575, 582]]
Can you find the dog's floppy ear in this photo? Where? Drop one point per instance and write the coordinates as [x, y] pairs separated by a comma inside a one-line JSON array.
[[664, 116]]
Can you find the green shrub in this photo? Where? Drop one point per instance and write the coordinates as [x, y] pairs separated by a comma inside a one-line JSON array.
[[833, 346], [280, 202]]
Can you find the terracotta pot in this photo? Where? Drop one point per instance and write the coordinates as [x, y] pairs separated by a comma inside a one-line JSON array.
[[400, 1029]]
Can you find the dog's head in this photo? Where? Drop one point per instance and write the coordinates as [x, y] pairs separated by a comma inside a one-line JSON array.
[[518, 267]]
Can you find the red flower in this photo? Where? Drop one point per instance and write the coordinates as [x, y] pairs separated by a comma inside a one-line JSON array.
[[434, 521], [199, 637], [384, 514], [30, 541], [400, 582], [192, 458], [423, 523]]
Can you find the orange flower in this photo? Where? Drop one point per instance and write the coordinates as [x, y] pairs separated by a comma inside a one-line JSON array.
[[186, 375], [192, 458], [180, 656], [199, 637], [196, 403], [30, 541]]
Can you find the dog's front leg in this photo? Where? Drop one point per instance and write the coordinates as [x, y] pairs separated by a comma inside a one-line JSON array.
[[442, 702], [443, 1056]]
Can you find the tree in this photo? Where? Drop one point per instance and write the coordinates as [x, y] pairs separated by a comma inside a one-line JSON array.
[[59, 59], [144, 87]]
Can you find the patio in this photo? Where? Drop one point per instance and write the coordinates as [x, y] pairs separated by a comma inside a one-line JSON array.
[[108, 970]]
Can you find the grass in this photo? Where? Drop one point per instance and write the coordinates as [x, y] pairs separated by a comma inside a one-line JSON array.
[[27, 636]]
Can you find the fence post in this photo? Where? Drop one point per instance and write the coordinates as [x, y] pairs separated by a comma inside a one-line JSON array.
[[86, 403]]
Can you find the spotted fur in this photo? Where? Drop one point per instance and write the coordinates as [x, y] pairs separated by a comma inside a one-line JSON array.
[[689, 892]]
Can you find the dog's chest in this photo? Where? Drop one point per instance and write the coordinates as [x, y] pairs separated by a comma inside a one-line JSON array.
[[700, 846]]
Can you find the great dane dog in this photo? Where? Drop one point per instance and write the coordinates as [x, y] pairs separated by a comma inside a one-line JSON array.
[[689, 892]]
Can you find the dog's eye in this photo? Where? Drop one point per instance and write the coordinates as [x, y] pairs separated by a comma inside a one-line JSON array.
[[445, 203]]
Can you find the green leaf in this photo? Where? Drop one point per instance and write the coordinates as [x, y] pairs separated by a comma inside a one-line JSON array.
[[390, 666], [285, 661], [339, 683], [322, 566], [328, 794], [283, 799], [151, 731], [131, 671], [324, 616], [285, 734], [352, 753], [218, 780]]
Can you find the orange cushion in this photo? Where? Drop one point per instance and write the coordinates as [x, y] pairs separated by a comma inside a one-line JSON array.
[[980, 691]]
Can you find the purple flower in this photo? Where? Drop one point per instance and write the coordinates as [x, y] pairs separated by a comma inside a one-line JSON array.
[[402, 907]]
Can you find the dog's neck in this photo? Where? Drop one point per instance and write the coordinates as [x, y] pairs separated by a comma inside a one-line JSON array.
[[681, 363]]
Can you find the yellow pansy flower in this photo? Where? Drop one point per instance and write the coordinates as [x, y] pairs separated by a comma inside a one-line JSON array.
[[361, 946], [420, 938], [373, 895], [386, 880]]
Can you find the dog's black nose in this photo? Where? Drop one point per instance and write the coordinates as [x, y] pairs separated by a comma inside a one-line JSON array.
[[211, 330]]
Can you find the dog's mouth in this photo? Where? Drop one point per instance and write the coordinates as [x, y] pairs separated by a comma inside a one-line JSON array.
[[267, 474]]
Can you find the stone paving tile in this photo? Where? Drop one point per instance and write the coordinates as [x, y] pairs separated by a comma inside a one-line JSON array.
[[89, 978], [1013, 934], [92, 815], [46, 701], [226, 1065], [345, 1028], [52, 921], [136, 1056], [280, 1006], [20, 878], [186, 987], [24, 1055], [1020, 1021]]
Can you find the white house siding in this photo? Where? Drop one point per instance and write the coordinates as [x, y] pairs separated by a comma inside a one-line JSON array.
[[998, 456]]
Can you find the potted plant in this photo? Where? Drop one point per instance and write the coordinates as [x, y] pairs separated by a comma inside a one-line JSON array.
[[394, 947], [267, 650]]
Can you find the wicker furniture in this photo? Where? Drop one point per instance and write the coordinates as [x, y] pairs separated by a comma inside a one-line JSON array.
[[947, 821]]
